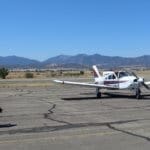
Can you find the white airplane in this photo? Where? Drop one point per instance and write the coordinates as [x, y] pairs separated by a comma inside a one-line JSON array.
[[113, 80]]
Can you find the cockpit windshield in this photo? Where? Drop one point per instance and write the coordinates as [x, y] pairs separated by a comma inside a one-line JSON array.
[[123, 74]]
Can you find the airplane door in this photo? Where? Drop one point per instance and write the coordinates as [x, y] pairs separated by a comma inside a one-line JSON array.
[[113, 81], [123, 80]]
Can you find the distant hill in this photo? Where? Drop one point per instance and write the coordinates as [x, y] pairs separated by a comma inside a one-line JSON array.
[[15, 61], [104, 61], [77, 61]]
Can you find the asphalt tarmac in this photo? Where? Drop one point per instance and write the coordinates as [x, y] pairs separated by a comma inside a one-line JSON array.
[[41, 115]]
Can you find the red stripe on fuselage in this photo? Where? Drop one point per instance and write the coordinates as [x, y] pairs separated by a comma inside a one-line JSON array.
[[113, 82]]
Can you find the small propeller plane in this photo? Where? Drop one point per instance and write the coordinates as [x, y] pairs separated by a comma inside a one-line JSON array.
[[119, 80]]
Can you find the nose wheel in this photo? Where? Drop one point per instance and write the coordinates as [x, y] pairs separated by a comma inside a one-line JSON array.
[[99, 95]]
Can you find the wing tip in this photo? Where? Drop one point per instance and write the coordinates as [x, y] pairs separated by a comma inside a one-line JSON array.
[[58, 81]]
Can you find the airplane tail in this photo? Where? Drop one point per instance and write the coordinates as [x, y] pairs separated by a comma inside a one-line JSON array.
[[96, 72]]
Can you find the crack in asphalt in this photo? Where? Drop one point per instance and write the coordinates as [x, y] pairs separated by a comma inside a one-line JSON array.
[[49, 116], [63, 127], [128, 133], [80, 125], [116, 107], [68, 125]]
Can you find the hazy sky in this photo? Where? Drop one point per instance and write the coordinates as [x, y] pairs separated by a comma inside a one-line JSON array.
[[41, 29]]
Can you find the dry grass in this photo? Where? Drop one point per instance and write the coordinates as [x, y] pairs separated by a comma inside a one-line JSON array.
[[17, 83], [21, 75], [145, 74], [56, 74], [48, 74]]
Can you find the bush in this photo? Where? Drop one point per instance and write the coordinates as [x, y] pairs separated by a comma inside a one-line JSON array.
[[72, 73], [29, 75], [53, 73], [81, 72], [3, 73]]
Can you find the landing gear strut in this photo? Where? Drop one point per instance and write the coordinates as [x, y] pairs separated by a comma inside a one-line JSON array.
[[98, 93], [138, 94]]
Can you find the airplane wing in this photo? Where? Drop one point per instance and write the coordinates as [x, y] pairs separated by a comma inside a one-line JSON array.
[[85, 84]]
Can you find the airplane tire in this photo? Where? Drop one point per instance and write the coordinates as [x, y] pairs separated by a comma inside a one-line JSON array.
[[99, 95], [1, 110]]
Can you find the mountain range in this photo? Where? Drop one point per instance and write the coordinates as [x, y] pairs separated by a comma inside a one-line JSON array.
[[80, 60]]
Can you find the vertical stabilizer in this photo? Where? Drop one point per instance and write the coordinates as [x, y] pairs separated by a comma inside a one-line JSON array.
[[96, 72]]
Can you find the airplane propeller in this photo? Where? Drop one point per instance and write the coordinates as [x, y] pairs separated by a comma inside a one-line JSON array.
[[141, 80], [145, 85], [135, 75]]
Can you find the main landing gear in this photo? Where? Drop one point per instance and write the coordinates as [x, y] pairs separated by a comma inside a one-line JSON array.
[[137, 93]]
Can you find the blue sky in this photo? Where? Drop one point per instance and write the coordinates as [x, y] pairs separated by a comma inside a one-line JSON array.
[[40, 29]]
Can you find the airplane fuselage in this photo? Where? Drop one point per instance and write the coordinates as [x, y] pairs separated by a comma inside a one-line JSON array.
[[112, 80]]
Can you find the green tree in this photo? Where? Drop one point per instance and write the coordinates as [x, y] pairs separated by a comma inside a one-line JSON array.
[[3, 73]]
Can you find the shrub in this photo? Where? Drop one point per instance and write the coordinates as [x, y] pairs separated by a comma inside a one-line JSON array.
[[29, 75], [81, 72], [3, 73]]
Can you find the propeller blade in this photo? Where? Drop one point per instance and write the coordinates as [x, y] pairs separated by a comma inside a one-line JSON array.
[[146, 86], [143, 83], [135, 75]]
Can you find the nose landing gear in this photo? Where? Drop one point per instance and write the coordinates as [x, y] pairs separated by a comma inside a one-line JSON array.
[[138, 93]]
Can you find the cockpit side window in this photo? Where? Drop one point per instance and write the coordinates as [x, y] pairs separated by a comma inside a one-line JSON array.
[[123, 74], [111, 76]]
